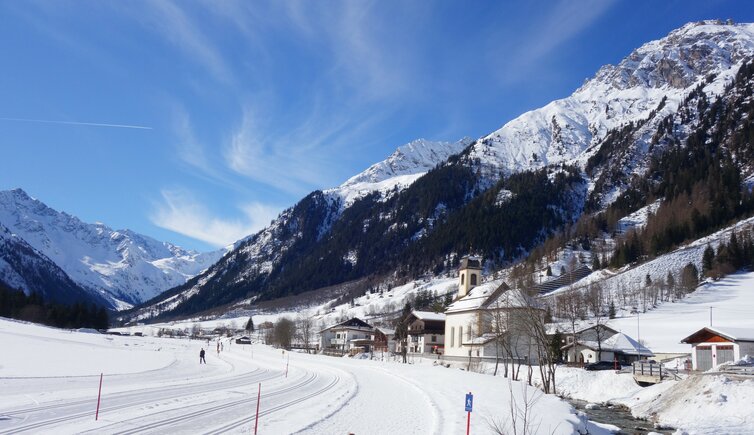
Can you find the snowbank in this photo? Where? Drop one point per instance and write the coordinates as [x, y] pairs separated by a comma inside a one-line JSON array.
[[700, 404], [37, 351]]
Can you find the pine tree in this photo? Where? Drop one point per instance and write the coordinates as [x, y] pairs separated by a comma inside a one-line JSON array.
[[448, 299], [670, 281], [549, 271], [250, 325], [708, 259], [735, 251], [611, 310], [596, 263], [555, 345]]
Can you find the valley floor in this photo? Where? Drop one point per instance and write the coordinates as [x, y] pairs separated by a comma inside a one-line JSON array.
[[49, 379]]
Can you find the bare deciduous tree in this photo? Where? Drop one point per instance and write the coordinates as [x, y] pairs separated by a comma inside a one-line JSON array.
[[305, 330], [532, 321], [521, 419], [283, 332]]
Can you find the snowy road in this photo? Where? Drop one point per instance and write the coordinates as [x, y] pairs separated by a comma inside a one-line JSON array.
[[49, 380]]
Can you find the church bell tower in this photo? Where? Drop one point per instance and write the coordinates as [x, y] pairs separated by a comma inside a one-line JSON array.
[[469, 274]]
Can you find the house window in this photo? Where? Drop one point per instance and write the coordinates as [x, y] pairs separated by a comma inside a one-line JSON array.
[[434, 339], [462, 276], [452, 336], [460, 335], [337, 335]]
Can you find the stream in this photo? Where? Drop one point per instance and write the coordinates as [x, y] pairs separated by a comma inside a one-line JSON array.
[[619, 416]]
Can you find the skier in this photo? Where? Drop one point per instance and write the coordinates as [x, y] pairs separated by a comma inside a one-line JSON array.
[[201, 357]]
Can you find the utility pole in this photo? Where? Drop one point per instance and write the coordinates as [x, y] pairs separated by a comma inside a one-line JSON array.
[[638, 329], [710, 316]]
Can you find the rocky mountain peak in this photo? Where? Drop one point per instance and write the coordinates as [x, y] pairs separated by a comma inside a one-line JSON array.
[[681, 58]]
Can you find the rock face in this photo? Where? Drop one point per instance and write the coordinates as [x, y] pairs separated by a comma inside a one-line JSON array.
[[121, 267]]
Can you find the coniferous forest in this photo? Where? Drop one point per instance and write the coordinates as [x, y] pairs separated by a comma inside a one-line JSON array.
[[15, 304]]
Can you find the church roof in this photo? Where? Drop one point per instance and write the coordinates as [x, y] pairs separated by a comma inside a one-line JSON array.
[[489, 295]]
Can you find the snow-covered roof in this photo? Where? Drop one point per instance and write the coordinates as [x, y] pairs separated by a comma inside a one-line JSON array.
[[619, 343], [733, 334], [352, 323], [428, 315], [623, 343], [478, 341], [386, 331], [475, 298], [491, 294], [588, 327]]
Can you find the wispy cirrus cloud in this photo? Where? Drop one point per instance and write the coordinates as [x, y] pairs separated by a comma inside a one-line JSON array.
[[178, 27], [563, 21], [310, 156], [180, 211]]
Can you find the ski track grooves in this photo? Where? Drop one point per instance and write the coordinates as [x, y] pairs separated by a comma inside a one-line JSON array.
[[282, 406], [250, 378], [243, 401]]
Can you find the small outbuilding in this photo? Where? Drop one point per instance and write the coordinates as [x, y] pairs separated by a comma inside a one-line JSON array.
[[603, 343], [714, 346]]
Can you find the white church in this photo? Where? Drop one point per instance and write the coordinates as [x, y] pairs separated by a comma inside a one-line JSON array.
[[489, 320]]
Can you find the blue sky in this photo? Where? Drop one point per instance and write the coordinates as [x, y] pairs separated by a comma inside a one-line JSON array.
[[220, 114]]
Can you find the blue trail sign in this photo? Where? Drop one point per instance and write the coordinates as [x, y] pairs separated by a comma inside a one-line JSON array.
[[469, 402]]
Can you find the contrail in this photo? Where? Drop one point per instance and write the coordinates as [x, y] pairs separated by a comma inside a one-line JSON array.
[[92, 124]]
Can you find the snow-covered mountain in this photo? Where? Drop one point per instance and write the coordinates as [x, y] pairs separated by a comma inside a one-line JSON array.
[[23, 267], [254, 259], [664, 71], [403, 167], [608, 131], [125, 267]]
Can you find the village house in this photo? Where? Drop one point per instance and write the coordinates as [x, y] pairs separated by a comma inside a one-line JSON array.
[[602, 343], [426, 332], [714, 346], [490, 320], [384, 340], [352, 336]]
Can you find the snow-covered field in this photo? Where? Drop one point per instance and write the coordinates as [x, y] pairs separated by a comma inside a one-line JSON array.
[[49, 380], [731, 301]]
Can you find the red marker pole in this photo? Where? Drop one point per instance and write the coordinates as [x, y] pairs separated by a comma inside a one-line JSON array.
[[468, 422], [286, 365], [99, 395], [259, 396]]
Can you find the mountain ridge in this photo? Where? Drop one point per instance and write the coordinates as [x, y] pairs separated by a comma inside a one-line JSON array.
[[124, 266]]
